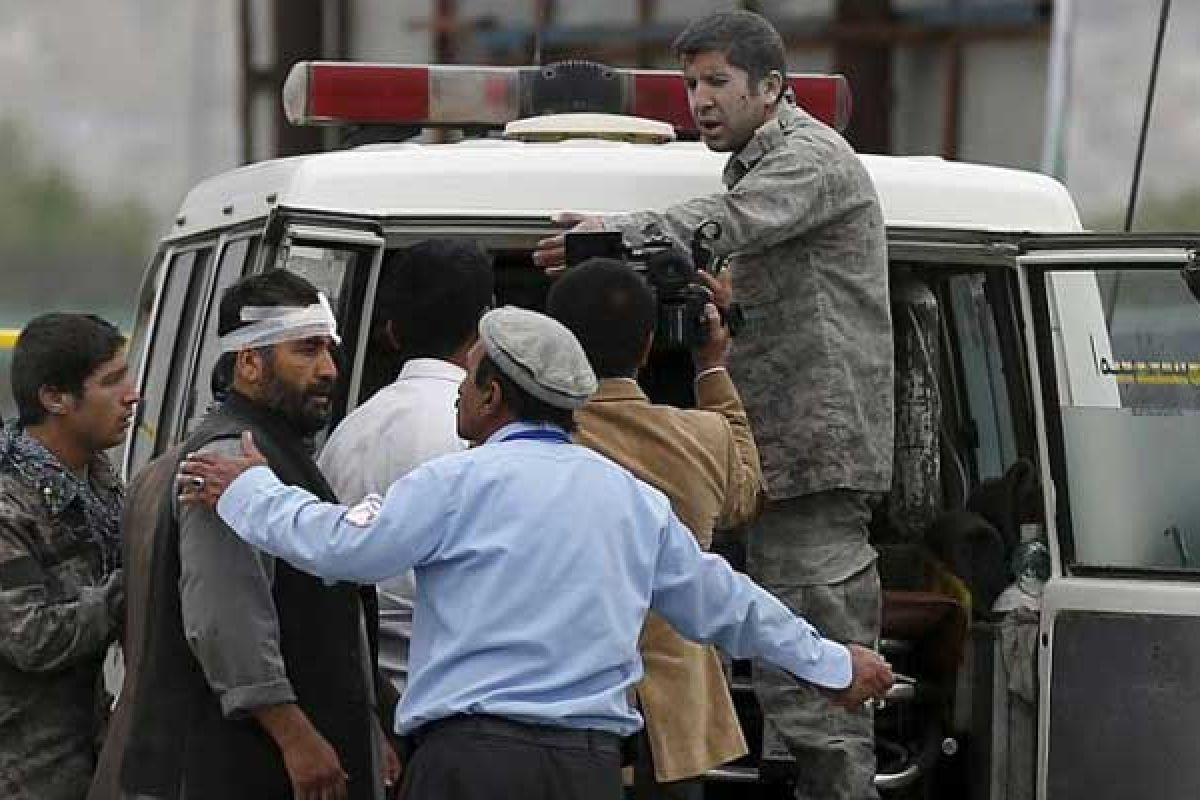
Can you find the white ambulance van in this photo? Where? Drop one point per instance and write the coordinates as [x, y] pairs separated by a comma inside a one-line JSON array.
[[1041, 547]]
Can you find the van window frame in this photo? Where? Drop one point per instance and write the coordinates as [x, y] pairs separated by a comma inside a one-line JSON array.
[[252, 234], [149, 294], [163, 430], [356, 233], [1041, 257]]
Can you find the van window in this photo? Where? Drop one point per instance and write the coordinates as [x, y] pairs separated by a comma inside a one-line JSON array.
[[178, 307], [235, 260], [341, 271], [983, 376], [1131, 464], [330, 269]]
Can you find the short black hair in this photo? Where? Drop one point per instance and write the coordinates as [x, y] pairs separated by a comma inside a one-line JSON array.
[[434, 293], [521, 403], [747, 40], [611, 311], [276, 287], [59, 351]]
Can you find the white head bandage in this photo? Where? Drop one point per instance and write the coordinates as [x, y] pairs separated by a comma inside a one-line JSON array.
[[275, 324]]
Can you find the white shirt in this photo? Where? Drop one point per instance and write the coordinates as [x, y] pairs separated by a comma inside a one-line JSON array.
[[402, 426]]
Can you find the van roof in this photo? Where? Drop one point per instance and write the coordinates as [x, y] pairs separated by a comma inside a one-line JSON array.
[[499, 178]]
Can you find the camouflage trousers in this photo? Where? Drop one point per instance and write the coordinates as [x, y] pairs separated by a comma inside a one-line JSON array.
[[834, 747]]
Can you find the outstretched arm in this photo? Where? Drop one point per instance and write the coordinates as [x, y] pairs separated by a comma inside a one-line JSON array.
[[782, 197], [374, 540], [707, 601]]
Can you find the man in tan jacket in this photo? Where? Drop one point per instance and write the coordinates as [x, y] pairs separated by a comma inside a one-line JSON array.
[[705, 461]]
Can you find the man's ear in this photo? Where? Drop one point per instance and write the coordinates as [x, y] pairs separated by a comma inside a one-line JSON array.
[[772, 86], [55, 401], [249, 365], [494, 402]]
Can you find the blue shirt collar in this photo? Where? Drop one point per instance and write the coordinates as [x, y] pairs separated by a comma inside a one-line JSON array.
[[520, 427]]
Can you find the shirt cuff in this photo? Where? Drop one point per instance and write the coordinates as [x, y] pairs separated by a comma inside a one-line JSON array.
[[831, 667], [710, 371], [231, 505], [241, 700]]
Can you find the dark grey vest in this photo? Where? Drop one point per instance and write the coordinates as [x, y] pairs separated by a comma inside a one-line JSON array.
[[179, 742]]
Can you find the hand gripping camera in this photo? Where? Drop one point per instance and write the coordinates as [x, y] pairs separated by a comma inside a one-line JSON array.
[[670, 273]]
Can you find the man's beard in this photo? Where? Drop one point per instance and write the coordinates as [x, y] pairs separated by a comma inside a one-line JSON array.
[[301, 407]]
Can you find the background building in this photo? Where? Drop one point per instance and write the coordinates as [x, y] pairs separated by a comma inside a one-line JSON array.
[[944, 78]]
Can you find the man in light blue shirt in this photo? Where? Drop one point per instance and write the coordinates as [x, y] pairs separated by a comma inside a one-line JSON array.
[[536, 561]]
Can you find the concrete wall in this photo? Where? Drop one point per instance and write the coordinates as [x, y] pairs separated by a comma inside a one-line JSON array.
[[1001, 108]]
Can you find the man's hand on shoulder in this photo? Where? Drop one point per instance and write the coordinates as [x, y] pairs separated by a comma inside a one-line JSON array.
[[551, 253], [871, 677], [204, 477]]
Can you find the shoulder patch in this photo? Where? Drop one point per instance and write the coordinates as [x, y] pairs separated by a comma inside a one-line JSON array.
[[363, 514]]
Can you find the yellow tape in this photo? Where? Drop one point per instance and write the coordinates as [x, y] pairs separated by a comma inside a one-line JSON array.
[[8, 337], [1155, 373]]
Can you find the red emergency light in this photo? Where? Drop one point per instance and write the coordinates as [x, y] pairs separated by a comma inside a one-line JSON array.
[[342, 92]]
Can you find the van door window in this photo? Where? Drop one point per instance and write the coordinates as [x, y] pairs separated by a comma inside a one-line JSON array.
[[344, 272], [178, 307], [1130, 415], [236, 258], [139, 341], [330, 269], [983, 376]]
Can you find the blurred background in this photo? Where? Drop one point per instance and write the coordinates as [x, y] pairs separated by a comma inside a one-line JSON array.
[[111, 110]]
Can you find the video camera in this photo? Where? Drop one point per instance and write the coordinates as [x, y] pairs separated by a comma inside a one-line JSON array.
[[670, 273]]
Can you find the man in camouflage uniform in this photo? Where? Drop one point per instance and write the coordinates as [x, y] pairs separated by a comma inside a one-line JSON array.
[[60, 575], [803, 230]]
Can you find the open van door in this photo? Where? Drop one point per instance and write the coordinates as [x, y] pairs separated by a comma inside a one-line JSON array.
[[1114, 334]]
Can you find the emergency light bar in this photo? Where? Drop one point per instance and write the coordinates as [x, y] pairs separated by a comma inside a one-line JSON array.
[[342, 92]]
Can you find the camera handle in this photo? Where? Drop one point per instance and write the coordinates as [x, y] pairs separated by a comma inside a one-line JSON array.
[[704, 260], [702, 255]]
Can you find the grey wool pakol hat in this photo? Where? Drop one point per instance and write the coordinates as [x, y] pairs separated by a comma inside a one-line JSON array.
[[538, 354]]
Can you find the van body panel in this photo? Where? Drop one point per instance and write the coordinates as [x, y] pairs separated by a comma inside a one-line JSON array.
[[598, 176]]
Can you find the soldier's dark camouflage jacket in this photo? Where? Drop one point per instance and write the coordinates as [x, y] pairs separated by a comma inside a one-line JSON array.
[[59, 594], [805, 230]]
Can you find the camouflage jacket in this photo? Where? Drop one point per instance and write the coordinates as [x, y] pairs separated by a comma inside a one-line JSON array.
[[59, 600], [804, 231]]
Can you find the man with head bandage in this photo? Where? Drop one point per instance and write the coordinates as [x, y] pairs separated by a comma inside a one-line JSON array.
[[254, 678]]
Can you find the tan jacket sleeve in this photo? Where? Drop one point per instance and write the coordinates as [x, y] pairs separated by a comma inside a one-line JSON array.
[[745, 491]]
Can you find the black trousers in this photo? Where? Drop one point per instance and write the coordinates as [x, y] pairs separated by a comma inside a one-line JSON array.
[[646, 785], [491, 758]]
